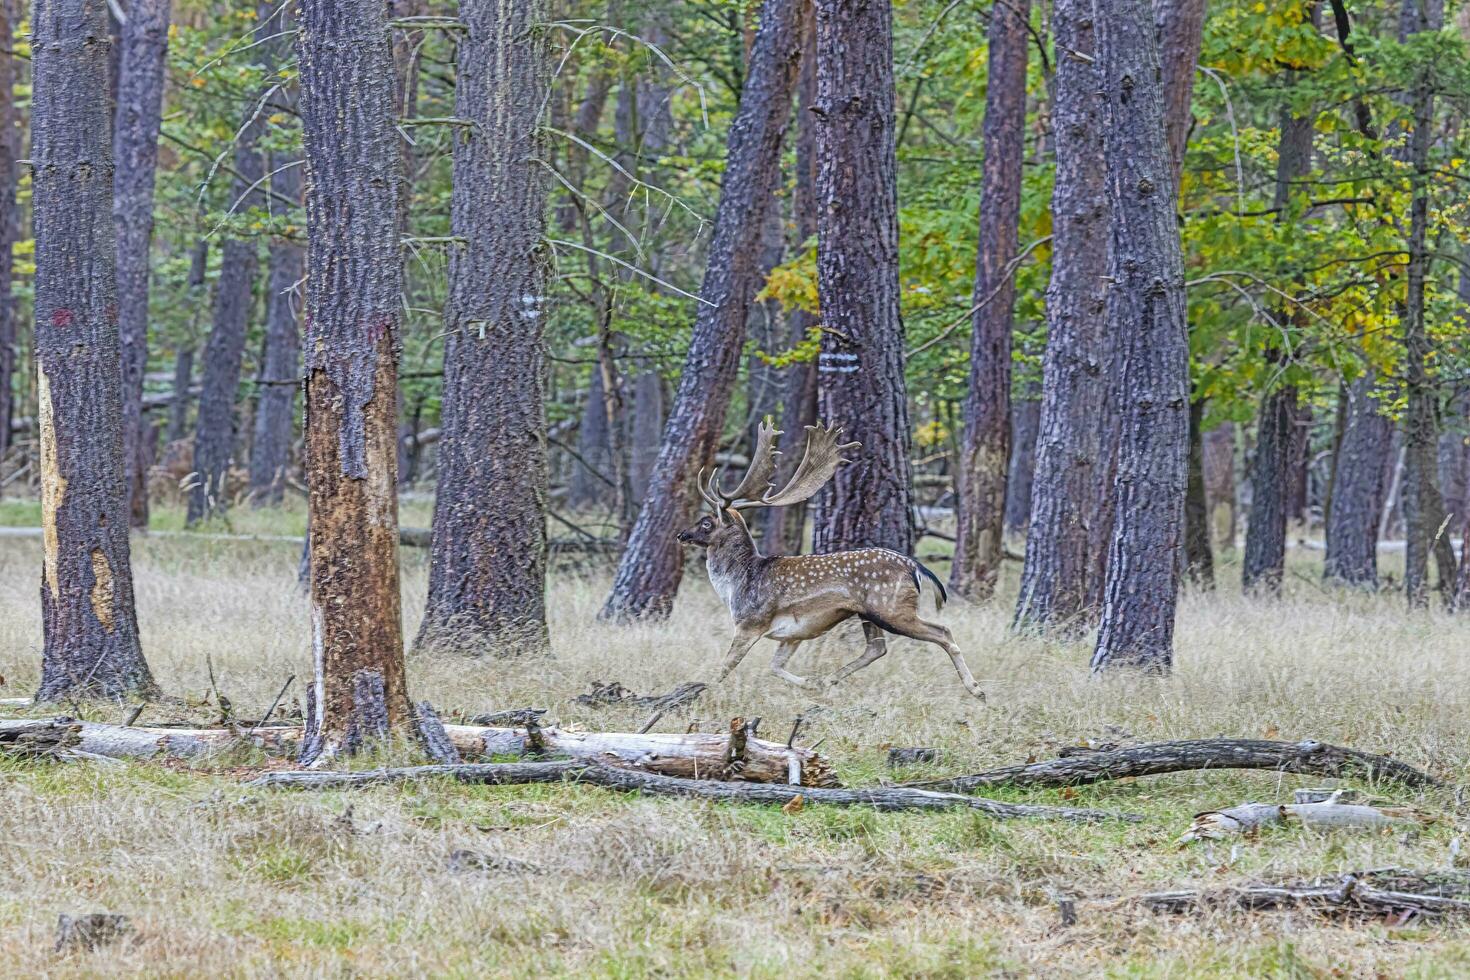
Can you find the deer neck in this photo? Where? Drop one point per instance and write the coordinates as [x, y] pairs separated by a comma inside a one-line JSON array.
[[732, 565]]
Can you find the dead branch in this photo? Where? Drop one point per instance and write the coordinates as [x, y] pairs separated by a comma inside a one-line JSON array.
[[1329, 814], [51, 737], [1350, 894], [1310, 757], [653, 784]]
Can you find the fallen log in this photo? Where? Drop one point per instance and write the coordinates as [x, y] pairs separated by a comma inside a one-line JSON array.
[[654, 784], [1349, 894], [1330, 814], [1310, 757], [695, 755], [49, 737]]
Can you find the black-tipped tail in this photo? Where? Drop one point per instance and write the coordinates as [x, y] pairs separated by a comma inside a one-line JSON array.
[[943, 595]]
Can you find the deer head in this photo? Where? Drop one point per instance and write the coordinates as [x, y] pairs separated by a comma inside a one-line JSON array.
[[824, 453]]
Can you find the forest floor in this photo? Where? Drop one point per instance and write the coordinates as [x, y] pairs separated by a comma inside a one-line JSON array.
[[224, 881]]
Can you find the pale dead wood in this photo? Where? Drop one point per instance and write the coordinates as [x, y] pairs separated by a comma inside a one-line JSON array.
[[1308, 757], [654, 784], [1329, 814], [1426, 894]]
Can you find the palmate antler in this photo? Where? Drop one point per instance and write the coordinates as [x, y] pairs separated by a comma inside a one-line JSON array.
[[822, 457]]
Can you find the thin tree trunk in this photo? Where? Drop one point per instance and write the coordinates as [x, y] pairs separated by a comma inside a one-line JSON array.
[[985, 448], [234, 300], [1423, 507], [1298, 461], [652, 565], [860, 375], [178, 413], [784, 526], [353, 311], [1264, 562], [648, 425], [1065, 540], [91, 646], [280, 369], [280, 374], [1358, 489], [1199, 559], [487, 572], [135, 148], [10, 217], [591, 481], [1025, 420], [1146, 315]]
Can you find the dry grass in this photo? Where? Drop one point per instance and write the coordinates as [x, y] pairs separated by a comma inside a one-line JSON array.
[[225, 882]]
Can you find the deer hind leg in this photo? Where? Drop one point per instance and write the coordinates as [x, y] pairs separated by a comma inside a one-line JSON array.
[[745, 638], [778, 663], [912, 626], [877, 647]]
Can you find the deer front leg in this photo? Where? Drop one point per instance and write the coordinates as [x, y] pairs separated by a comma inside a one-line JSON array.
[[745, 638], [877, 647], [778, 663]]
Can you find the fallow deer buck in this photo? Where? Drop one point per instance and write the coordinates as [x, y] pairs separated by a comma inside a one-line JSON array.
[[790, 599]]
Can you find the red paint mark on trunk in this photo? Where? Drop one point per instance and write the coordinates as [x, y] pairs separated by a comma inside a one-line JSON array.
[[61, 318]]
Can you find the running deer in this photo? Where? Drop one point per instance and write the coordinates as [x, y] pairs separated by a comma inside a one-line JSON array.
[[801, 597]]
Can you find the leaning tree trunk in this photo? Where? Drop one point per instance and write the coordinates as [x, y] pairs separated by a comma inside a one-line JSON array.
[[353, 311], [487, 571], [1064, 542], [860, 381], [280, 370], [985, 446], [234, 298], [280, 373], [1357, 489], [1146, 315], [649, 572], [10, 231], [784, 526], [135, 147], [1423, 507], [90, 627], [1265, 531]]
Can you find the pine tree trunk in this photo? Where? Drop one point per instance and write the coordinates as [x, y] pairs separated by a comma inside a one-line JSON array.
[[91, 646], [985, 447], [178, 406], [10, 217], [280, 373], [1020, 475], [1066, 537], [487, 572], [1264, 562], [1199, 558], [353, 311], [1358, 489], [234, 300], [1146, 315], [135, 148], [785, 526], [591, 483], [648, 425], [860, 376], [1298, 463], [652, 564], [1423, 507]]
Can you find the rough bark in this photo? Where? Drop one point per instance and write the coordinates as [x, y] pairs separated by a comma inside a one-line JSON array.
[[785, 526], [234, 300], [280, 364], [652, 564], [860, 378], [1146, 316], [1065, 542], [1309, 757], [487, 572], [1264, 562], [1021, 473], [1423, 507], [1358, 489], [985, 445], [10, 217], [90, 627], [353, 309], [135, 150]]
